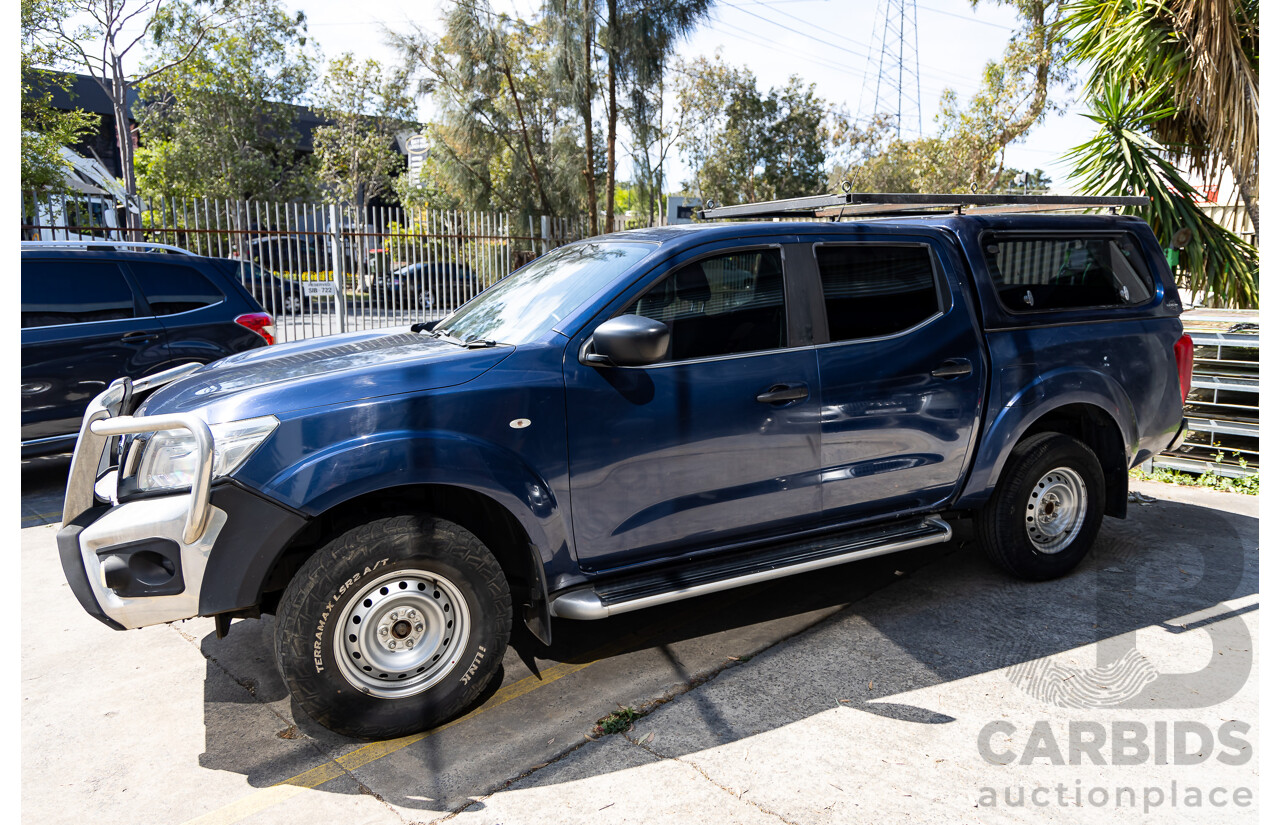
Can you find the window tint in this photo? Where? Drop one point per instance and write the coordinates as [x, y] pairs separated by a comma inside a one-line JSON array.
[[171, 288], [872, 290], [73, 292], [1065, 272], [720, 306]]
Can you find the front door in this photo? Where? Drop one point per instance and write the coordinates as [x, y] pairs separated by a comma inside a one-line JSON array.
[[717, 443]]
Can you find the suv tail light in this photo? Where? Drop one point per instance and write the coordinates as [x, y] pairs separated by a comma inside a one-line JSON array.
[[1183, 353], [260, 322]]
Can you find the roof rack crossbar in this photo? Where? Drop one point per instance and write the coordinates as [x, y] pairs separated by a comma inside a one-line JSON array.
[[851, 204]]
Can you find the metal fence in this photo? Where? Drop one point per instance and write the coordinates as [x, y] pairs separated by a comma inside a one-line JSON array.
[[322, 268]]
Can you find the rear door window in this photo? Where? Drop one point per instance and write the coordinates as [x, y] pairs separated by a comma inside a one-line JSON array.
[[1050, 272], [872, 290], [173, 288], [58, 292]]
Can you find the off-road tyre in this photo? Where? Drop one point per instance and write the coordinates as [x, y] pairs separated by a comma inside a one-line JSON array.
[[1014, 528], [403, 556]]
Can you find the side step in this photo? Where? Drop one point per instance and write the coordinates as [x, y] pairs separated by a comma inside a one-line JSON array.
[[696, 579]]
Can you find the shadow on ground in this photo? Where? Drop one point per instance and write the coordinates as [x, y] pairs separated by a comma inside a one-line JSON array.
[[925, 617]]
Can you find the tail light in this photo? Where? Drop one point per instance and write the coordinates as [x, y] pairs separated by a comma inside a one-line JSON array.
[[260, 322], [1183, 354]]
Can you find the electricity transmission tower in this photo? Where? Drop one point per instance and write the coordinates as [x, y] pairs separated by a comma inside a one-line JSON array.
[[898, 74]]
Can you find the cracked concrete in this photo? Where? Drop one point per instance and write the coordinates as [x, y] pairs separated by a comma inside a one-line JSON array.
[[857, 694]]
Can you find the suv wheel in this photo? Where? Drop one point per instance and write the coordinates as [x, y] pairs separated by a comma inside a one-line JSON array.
[[1046, 510], [425, 301], [393, 627]]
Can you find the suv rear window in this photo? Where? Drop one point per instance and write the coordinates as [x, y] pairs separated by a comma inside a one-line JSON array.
[[171, 288], [871, 290], [73, 292], [1038, 273]]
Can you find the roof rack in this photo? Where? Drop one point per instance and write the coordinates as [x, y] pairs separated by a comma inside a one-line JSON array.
[[139, 245], [882, 204]]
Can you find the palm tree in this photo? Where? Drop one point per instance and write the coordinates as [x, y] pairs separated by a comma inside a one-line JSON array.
[[1197, 58], [1123, 159]]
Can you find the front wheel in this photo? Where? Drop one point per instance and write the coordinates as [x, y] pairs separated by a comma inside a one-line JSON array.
[[1046, 510], [393, 627]]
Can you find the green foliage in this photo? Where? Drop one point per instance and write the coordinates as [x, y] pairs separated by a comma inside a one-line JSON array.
[[366, 108], [1248, 485], [219, 124], [746, 146], [1123, 159], [505, 137], [617, 722], [1196, 58], [45, 130], [967, 154]]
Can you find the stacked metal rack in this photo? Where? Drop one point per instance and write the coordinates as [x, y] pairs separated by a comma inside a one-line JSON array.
[[1222, 407]]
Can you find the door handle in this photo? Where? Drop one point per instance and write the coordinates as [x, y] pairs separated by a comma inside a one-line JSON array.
[[139, 337], [782, 393], [953, 368]]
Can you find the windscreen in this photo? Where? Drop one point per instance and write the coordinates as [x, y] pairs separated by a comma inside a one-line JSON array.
[[532, 300]]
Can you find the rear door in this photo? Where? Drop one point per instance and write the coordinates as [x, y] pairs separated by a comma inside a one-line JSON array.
[[83, 326], [694, 452], [903, 375], [197, 316]]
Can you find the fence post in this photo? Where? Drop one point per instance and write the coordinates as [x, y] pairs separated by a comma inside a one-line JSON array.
[[335, 239], [546, 232]]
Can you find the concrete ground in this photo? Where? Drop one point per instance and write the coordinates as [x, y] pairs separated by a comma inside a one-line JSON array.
[[923, 686]]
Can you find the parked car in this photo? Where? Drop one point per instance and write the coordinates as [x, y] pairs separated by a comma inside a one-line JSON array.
[[93, 312], [284, 296], [426, 286], [628, 421], [290, 253]]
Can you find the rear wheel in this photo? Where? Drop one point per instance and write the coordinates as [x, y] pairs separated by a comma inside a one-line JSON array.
[[1046, 510], [393, 627]]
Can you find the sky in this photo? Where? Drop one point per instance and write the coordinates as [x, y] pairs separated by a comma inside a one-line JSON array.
[[830, 43]]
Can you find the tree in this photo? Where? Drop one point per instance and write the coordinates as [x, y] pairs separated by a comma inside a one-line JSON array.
[[743, 146], [574, 32], [105, 60], [45, 130], [221, 124], [1124, 159], [366, 107], [1197, 58], [504, 136], [638, 37]]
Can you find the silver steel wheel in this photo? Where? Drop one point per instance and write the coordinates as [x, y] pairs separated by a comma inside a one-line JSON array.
[[401, 633], [1056, 510], [424, 299]]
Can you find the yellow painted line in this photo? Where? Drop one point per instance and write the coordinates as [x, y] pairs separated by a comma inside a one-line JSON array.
[[42, 515], [314, 778], [335, 768]]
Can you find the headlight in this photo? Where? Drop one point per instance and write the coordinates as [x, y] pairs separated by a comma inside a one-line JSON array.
[[169, 459]]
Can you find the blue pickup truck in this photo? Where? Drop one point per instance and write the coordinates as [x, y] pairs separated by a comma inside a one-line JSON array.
[[627, 421]]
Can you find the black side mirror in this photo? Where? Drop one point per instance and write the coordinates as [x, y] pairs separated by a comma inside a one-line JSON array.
[[628, 341]]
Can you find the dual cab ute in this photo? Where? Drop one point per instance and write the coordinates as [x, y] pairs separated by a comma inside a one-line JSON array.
[[627, 421]]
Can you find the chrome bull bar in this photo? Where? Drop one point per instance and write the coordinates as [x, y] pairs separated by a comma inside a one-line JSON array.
[[103, 420]]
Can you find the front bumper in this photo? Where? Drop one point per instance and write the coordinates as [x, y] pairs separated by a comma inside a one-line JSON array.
[[1178, 438], [142, 562]]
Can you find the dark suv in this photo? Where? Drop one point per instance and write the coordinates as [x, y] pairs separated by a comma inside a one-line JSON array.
[[93, 312]]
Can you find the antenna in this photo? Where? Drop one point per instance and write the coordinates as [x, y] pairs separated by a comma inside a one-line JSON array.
[[898, 75]]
